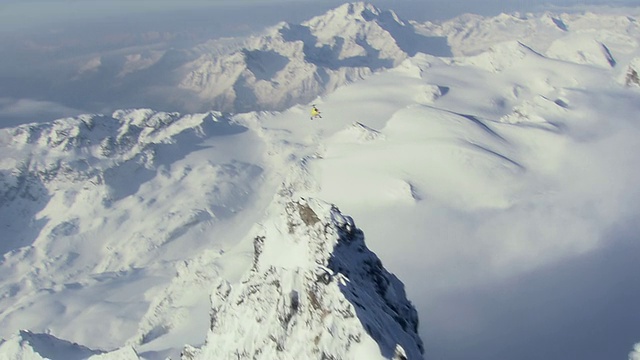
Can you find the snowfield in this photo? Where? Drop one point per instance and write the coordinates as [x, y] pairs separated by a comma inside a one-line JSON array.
[[495, 177]]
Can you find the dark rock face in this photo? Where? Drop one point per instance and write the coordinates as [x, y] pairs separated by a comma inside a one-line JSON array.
[[632, 78]]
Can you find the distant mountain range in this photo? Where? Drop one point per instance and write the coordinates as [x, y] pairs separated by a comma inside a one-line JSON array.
[[288, 64]]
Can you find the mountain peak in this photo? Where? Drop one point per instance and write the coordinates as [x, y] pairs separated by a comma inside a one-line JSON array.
[[315, 291], [295, 63], [358, 9], [357, 13]]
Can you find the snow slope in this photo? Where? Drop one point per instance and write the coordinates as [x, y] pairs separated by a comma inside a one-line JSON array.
[[75, 196], [462, 172]]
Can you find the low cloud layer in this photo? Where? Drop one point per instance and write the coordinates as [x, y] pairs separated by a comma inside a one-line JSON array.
[[18, 111]]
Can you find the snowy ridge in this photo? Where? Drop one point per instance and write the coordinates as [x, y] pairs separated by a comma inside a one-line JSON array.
[[472, 34], [570, 37], [292, 64], [91, 155], [296, 63], [360, 133], [29, 346], [499, 57], [325, 296], [74, 191], [285, 65]]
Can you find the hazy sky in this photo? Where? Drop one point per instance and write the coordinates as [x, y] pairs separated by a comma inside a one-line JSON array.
[[26, 14]]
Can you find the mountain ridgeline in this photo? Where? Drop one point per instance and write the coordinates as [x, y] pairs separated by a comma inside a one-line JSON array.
[[287, 64], [315, 291]]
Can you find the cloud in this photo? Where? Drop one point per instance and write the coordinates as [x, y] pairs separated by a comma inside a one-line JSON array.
[[555, 276], [18, 111], [580, 308], [635, 354]]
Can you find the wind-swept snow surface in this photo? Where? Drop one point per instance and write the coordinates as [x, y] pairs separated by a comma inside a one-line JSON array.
[[500, 185]]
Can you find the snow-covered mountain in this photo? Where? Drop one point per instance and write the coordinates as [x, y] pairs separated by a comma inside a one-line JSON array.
[[122, 232], [285, 65], [294, 64], [314, 291], [312, 281], [75, 196], [570, 37], [290, 64]]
